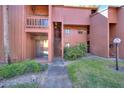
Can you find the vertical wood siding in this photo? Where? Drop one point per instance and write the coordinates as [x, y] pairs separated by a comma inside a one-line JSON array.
[[16, 29], [39, 10], [1, 37], [30, 46], [120, 30]]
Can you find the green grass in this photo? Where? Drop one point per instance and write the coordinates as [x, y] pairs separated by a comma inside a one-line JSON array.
[[20, 68], [26, 85], [95, 73]]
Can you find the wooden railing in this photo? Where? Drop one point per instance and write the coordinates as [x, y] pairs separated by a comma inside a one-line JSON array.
[[36, 22]]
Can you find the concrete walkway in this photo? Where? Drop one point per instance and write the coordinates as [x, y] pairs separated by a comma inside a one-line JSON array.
[[57, 76]]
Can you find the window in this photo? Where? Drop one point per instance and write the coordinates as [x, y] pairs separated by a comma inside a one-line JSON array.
[[67, 31], [44, 22], [88, 30], [80, 32], [67, 45]]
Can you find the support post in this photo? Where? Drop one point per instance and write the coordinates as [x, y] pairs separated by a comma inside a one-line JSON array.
[[117, 56]]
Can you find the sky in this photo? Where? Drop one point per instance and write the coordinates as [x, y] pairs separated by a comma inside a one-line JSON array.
[[102, 7]]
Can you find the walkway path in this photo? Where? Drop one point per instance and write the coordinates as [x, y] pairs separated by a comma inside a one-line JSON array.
[[57, 76]]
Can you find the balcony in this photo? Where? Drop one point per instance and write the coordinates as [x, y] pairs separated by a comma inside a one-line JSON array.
[[36, 24]]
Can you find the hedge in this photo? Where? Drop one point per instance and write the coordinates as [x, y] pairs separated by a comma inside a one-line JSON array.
[[75, 52], [15, 69]]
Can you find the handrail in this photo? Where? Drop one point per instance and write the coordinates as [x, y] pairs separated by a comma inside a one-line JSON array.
[[36, 21]]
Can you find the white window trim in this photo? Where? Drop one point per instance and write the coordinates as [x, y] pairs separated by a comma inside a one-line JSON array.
[[67, 31]]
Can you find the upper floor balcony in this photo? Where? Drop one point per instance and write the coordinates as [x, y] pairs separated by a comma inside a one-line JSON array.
[[38, 23], [36, 19]]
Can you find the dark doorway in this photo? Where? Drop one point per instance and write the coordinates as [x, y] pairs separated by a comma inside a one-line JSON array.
[[88, 46], [41, 48], [112, 35], [41, 45], [88, 39], [57, 39]]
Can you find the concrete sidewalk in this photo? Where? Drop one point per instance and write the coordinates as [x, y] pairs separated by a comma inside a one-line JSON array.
[[57, 76]]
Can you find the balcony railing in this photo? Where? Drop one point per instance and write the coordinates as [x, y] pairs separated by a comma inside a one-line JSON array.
[[36, 22]]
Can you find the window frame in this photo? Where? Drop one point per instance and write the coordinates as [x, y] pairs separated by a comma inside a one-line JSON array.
[[44, 22], [67, 31]]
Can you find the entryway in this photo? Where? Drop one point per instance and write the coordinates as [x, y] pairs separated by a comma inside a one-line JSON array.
[[40, 46], [112, 35], [57, 39]]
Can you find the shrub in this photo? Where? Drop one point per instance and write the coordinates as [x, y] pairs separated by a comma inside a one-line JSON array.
[[75, 52], [15, 69]]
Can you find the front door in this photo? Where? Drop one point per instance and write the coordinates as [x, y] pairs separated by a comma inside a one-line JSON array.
[[57, 39], [57, 47]]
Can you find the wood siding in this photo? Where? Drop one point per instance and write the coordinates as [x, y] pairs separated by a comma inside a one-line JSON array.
[[1, 36], [112, 15], [71, 16], [78, 34], [99, 34], [17, 34], [41, 10], [30, 46]]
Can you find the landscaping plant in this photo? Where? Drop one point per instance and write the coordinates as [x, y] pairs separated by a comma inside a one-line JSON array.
[[8, 71], [72, 53]]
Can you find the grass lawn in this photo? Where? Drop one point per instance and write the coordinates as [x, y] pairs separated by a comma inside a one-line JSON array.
[[95, 73]]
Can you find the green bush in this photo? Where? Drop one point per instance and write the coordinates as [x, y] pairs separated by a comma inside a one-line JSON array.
[[75, 52], [15, 69]]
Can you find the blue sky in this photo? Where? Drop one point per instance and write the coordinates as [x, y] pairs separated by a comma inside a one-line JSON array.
[[102, 7]]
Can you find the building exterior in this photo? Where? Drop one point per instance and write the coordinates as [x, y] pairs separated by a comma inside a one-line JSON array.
[[44, 30]]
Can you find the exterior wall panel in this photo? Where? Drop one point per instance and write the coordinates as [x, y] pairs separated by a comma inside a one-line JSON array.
[[74, 37], [76, 16], [112, 15], [72, 16], [120, 30], [57, 14], [16, 29], [30, 46], [99, 34], [41, 10], [1, 37]]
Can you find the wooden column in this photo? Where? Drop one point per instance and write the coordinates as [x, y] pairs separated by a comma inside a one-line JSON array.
[[50, 36]]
